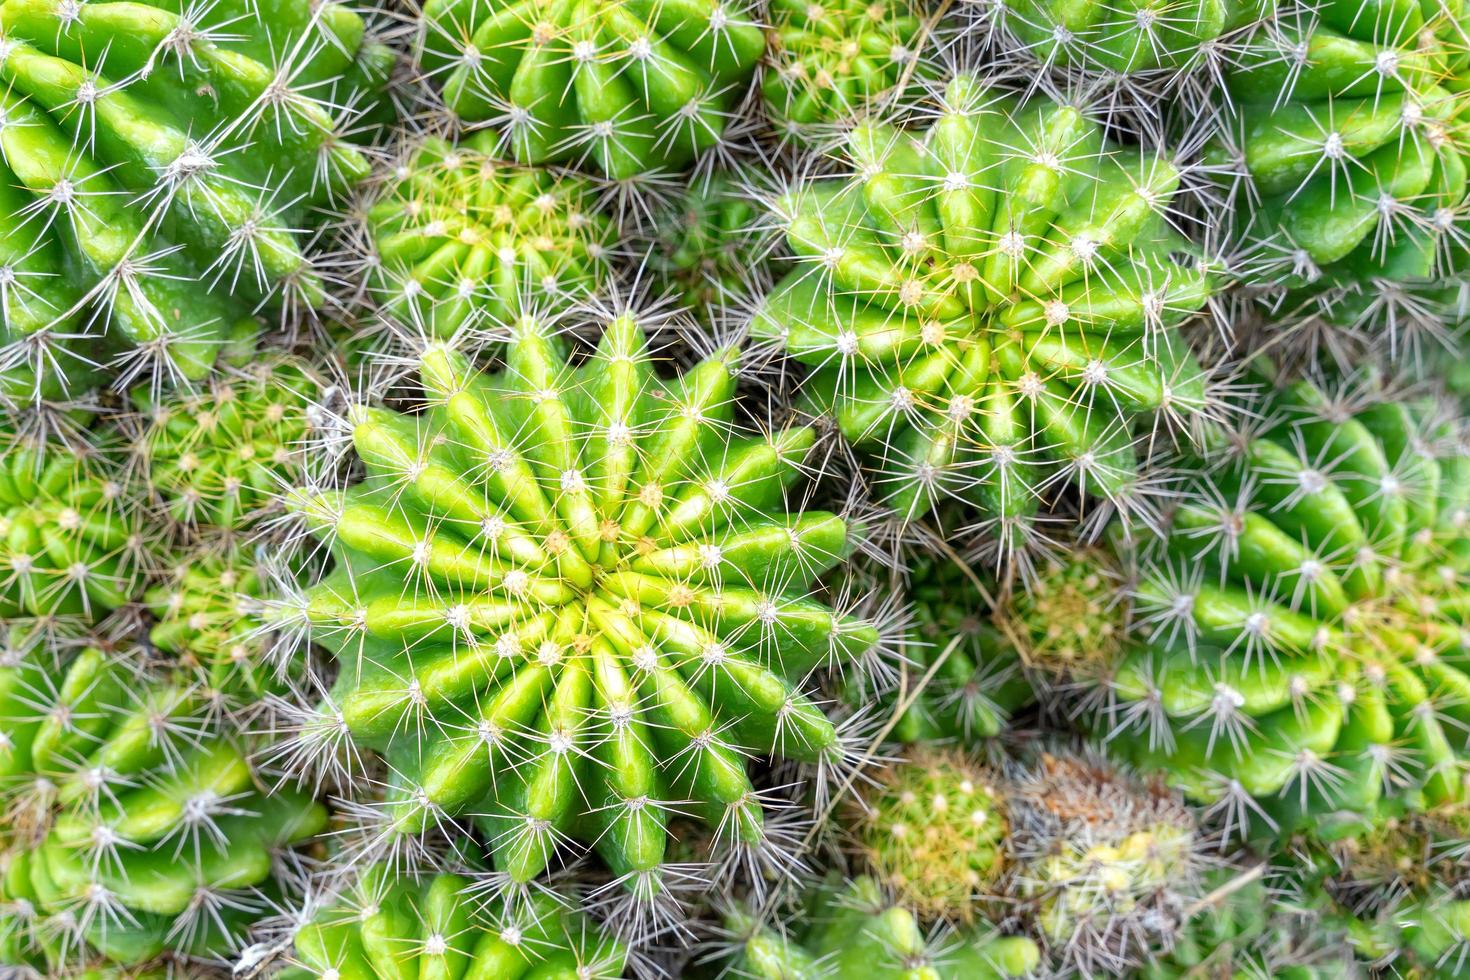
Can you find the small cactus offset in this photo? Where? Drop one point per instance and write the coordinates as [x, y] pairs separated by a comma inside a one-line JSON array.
[[1304, 616], [933, 829], [74, 542], [568, 595], [157, 166], [210, 617], [1068, 621], [625, 87], [217, 458], [388, 925], [461, 240], [134, 826], [986, 306], [829, 62], [851, 931]]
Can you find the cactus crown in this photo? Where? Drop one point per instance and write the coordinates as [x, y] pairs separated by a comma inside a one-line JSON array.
[[989, 303], [460, 240], [568, 593]]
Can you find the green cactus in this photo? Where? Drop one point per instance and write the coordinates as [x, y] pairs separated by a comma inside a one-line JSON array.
[[210, 617], [219, 456], [157, 164], [1304, 613], [829, 62], [388, 926], [977, 686], [987, 305], [1349, 130], [629, 87], [932, 828], [708, 251], [1246, 929], [1068, 621], [134, 825], [73, 540], [1128, 37], [568, 594], [463, 240], [850, 931]]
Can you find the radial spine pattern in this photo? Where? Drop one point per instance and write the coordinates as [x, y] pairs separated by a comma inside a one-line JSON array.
[[568, 594], [987, 305]]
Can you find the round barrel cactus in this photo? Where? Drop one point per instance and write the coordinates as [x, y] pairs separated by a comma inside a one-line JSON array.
[[986, 306], [387, 925], [628, 87], [1128, 37], [1304, 617], [217, 457], [73, 539], [851, 931], [828, 62], [157, 165], [569, 601], [135, 826], [1348, 128], [461, 239]]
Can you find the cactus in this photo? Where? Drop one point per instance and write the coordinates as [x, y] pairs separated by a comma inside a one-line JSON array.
[[217, 458], [977, 686], [157, 164], [568, 594], [827, 63], [389, 925], [1247, 928], [210, 616], [1303, 610], [629, 87], [73, 542], [462, 240], [850, 931], [987, 305], [1068, 621], [933, 829], [1129, 38], [709, 252], [133, 825], [1348, 130], [1106, 865]]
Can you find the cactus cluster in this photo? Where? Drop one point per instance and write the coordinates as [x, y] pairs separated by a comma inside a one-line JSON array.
[[553, 489]]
